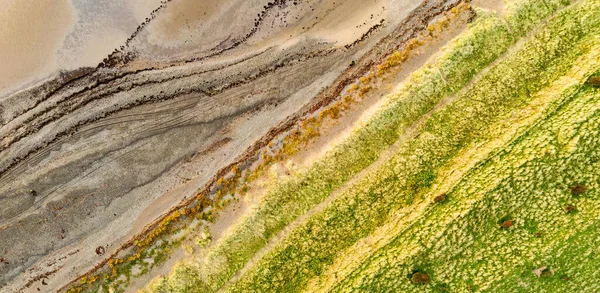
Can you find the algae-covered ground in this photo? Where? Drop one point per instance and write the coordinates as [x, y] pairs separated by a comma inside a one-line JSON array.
[[479, 172]]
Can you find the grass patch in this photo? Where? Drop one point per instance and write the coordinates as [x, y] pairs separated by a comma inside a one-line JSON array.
[[510, 85]]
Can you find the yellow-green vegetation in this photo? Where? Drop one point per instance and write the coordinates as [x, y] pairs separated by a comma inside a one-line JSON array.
[[492, 184]]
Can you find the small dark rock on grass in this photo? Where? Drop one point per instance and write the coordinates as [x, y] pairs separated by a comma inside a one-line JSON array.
[[593, 81], [419, 278], [507, 224], [439, 198], [570, 209], [578, 189]]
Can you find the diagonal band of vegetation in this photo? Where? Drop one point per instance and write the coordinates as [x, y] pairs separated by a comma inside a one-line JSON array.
[[287, 201], [544, 58], [314, 246]]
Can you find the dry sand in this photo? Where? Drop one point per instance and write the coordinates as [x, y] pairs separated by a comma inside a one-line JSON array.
[[31, 31]]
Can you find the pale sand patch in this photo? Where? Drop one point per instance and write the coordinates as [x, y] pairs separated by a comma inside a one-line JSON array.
[[181, 18], [141, 9], [99, 44], [31, 32], [186, 27], [193, 24], [494, 5], [345, 21]]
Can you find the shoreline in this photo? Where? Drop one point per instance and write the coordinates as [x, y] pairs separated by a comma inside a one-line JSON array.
[[323, 99]]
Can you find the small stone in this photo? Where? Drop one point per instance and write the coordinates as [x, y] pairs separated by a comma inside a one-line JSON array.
[[570, 208], [578, 189], [420, 278], [538, 272], [593, 81], [100, 250], [507, 224], [439, 198]]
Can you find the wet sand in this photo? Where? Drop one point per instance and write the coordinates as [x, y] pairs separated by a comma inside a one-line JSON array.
[[39, 38], [31, 31]]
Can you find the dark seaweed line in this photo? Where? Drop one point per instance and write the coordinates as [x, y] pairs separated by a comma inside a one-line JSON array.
[[366, 34], [97, 83], [52, 87], [415, 23], [67, 101], [138, 102], [212, 91], [114, 59], [113, 79], [257, 23]]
